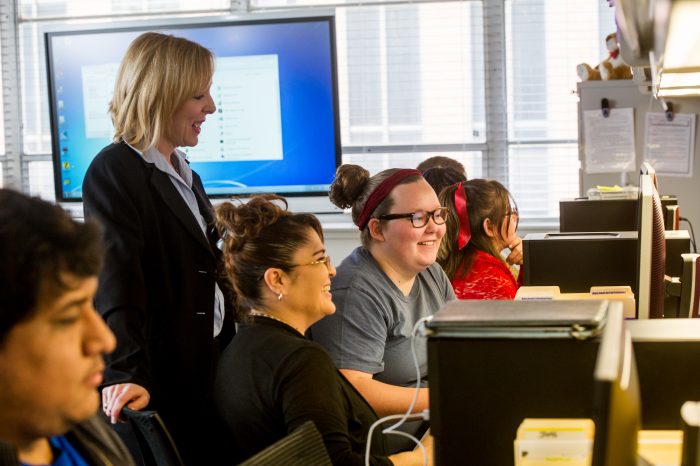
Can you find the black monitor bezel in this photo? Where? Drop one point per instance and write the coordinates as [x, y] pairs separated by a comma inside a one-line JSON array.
[[177, 24]]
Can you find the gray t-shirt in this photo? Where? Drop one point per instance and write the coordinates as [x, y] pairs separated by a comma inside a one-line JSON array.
[[372, 325]]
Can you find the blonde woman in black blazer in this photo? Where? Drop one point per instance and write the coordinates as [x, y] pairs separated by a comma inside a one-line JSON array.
[[158, 289]]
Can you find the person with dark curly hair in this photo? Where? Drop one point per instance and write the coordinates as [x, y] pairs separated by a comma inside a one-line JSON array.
[[386, 285], [270, 379], [52, 340]]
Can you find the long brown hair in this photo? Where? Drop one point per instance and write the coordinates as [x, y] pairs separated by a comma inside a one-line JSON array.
[[486, 199]]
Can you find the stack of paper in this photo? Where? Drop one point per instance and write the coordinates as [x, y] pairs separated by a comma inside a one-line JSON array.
[[612, 293], [547, 442]]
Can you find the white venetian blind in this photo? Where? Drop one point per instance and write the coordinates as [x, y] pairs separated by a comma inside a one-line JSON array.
[[495, 73], [2, 113], [37, 16], [69, 9], [545, 40], [489, 82], [411, 80]]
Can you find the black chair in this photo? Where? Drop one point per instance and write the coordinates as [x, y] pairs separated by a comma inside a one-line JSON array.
[[8, 454], [303, 447], [156, 444]]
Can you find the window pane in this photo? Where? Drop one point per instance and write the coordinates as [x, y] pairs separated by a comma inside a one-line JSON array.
[[376, 162], [545, 40], [283, 3], [41, 180], [29, 9], [2, 116], [411, 74], [541, 175], [35, 100]]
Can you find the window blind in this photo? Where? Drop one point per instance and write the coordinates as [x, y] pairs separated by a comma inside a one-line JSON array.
[[2, 106], [29, 10], [545, 40], [488, 82], [34, 17], [10, 96], [411, 74]]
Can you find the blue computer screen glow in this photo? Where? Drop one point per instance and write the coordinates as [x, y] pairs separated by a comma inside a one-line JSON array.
[[276, 126]]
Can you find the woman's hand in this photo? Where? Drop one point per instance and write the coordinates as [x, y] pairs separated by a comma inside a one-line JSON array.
[[516, 252], [115, 397]]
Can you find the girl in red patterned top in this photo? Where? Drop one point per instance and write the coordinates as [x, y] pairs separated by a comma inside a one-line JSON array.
[[483, 220]]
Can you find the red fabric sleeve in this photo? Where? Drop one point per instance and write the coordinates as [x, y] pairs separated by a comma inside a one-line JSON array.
[[489, 278]]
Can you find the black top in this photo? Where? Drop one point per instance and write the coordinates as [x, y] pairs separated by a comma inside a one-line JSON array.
[[270, 380], [156, 289]]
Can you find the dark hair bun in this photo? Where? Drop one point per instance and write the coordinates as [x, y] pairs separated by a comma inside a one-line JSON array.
[[349, 184], [242, 222]]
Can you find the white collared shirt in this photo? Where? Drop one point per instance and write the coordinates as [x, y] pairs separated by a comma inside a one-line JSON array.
[[182, 180]]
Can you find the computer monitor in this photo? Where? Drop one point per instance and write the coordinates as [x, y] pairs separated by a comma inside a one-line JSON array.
[[276, 128], [589, 215], [577, 261], [651, 258], [494, 363], [648, 169], [666, 352], [690, 413], [616, 402]]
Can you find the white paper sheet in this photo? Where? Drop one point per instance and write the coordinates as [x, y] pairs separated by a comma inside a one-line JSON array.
[[669, 145], [609, 142]]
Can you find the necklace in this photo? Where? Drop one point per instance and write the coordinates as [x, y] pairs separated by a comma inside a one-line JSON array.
[[253, 312]]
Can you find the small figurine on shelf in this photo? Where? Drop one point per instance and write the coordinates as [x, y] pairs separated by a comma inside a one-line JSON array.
[[611, 68]]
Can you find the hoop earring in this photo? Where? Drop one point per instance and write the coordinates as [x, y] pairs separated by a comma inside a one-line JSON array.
[[280, 296]]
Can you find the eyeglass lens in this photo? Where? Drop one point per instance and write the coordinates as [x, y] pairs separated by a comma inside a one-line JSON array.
[[420, 219]]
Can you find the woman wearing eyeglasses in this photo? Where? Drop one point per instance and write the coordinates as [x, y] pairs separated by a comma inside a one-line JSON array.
[[386, 285], [271, 379], [483, 220]]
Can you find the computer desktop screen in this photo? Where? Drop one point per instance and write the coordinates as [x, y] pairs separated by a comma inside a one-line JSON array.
[[651, 257], [276, 127], [616, 398]]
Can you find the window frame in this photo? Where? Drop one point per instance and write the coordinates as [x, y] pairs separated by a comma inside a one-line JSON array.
[[495, 149]]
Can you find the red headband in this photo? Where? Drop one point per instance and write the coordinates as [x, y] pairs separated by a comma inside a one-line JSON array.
[[381, 192], [461, 203]]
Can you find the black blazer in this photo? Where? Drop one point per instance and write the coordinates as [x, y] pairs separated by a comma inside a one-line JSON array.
[[156, 289]]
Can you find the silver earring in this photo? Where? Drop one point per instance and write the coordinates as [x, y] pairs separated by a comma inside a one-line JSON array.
[[279, 297]]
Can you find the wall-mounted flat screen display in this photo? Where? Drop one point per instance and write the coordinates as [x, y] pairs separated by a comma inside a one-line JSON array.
[[276, 127]]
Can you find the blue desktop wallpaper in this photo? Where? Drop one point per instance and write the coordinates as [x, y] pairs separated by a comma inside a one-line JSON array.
[[307, 101]]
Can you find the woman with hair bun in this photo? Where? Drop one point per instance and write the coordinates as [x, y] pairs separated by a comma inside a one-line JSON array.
[[386, 285], [483, 222], [271, 379]]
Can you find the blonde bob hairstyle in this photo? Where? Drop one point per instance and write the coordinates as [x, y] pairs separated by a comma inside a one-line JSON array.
[[158, 74]]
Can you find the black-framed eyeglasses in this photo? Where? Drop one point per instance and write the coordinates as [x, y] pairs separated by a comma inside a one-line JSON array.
[[420, 219], [510, 213], [325, 260]]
